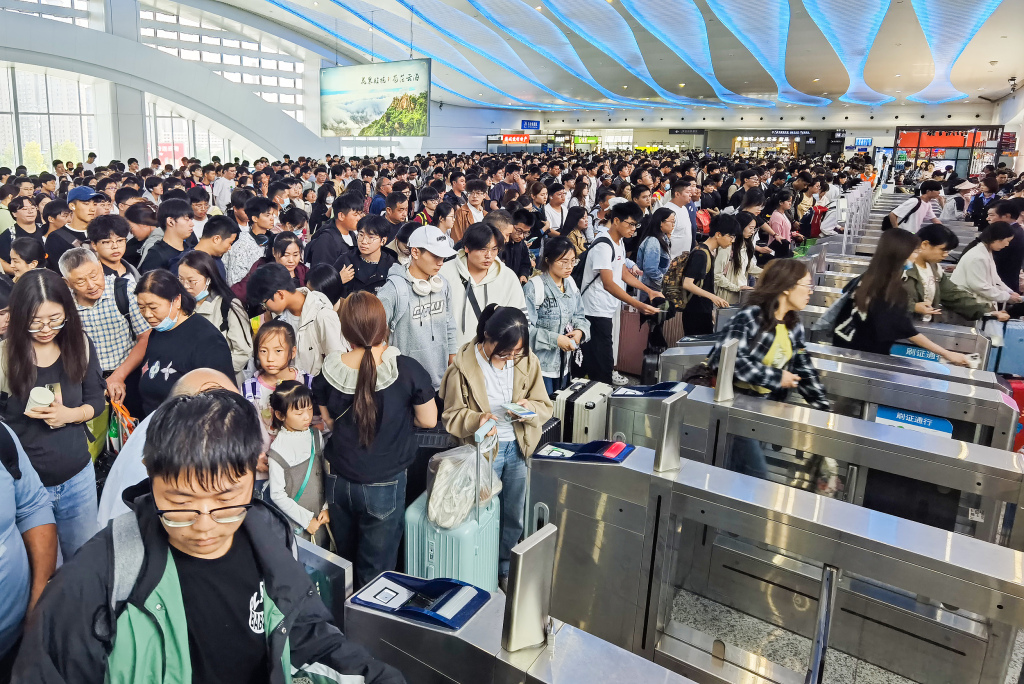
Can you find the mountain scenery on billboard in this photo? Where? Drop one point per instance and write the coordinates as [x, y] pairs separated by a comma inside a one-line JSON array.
[[382, 99]]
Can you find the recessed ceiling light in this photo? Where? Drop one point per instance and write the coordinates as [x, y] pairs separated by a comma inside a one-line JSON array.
[[625, 86], [897, 75], [899, 91], [816, 80], [682, 85]]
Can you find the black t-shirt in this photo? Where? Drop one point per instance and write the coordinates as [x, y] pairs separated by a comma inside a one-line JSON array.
[[697, 268], [13, 234], [1009, 259], [884, 326], [132, 252], [60, 241], [161, 255], [223, 601], [394, 448], [195, 343]]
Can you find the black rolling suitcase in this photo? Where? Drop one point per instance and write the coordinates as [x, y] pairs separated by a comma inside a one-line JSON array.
[[551, 432]]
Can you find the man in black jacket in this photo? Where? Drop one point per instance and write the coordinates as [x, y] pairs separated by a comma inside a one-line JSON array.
[[366, 268], [199, 582], [337, 237]]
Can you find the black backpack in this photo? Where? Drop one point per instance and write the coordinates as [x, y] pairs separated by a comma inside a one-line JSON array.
[[887, 222], [9, 452], [121, 300], [581, 263]]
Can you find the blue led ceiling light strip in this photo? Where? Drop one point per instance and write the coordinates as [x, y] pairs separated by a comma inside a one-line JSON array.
[[680, 25], [763, 28], [427, 44], [534, 30], [851, 30], [474, 36], [948, 27], [382, 50], [602, 26]]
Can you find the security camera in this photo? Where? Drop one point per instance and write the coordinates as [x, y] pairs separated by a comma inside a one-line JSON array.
[[1013, 83]]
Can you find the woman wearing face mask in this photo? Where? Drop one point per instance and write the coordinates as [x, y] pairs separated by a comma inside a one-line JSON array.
[[496, 368], [215, 302], [180, 342], [50, 364], [771, 358], [877, 314], [322, 207]]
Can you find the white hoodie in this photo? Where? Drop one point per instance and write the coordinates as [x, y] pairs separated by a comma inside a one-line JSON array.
[[499, 286]]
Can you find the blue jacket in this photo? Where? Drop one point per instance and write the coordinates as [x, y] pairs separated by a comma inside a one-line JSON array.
[[653, 261], [549, 318]]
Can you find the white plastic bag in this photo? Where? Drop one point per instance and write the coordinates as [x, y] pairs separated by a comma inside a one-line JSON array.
[[451, 488]]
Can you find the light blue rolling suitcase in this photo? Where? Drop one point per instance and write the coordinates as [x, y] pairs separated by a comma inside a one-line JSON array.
[[469, 552]]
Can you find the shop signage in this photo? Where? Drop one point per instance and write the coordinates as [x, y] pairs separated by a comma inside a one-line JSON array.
[[494, 138], [862, 142], [810, 141], [515, 138], [530, 125], [686, 131], [839, 134], [791, 132], [1009, 140], [767, 138], [836, 141], [585, 140]]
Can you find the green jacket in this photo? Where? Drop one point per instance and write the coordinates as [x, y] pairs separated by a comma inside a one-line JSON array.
[[947, 295], [73, 638]]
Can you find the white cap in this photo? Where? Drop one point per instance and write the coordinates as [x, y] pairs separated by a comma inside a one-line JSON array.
[[966, 185], [433, 240]]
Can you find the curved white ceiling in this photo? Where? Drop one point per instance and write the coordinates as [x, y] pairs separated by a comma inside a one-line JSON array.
[[557, 55]]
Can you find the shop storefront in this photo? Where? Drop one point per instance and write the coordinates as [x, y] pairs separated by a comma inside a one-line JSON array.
[[771, 143], [966, 149], [586, 143]]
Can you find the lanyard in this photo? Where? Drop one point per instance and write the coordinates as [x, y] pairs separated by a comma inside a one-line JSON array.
[[309, 470]]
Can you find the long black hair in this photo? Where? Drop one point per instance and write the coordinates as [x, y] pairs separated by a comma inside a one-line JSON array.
[[652, 228], [33, 289], [207, 267], [777, 199], [998, 230], [742, 243], [882, 279]]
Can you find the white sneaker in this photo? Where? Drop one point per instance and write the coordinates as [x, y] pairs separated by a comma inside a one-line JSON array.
[[618, 379]]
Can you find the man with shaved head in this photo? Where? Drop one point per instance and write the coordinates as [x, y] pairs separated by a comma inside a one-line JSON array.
[[128, 468]]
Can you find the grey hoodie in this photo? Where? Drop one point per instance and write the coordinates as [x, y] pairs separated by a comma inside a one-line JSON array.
[[422, 327]]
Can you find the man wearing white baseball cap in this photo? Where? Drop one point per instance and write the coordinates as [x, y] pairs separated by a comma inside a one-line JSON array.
[[418, 303]]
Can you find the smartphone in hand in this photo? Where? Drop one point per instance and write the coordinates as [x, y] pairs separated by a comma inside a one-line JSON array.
[[518, 411]]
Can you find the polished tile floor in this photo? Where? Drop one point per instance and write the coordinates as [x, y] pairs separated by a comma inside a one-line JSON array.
[[789, 649]]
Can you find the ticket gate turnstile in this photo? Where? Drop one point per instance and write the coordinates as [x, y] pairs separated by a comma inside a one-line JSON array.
[[755, 548]]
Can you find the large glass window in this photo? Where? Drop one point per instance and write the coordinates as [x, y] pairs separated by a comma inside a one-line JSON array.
[[54, 119]]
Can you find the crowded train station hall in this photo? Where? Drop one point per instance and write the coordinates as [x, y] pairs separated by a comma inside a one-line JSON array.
[[492, 342]]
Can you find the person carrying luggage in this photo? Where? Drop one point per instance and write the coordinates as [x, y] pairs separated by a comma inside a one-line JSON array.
[[359, 392], [771, 358], [492, 371]]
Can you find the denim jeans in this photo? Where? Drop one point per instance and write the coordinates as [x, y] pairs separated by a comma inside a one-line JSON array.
[[552, 385], [510, 466], [747, 457], [74, 508], [367, 521]]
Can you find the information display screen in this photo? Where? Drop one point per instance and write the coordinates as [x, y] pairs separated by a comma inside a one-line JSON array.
[[386, 99]]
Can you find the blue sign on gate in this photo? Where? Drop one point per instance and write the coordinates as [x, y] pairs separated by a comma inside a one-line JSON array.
[[530, 125]]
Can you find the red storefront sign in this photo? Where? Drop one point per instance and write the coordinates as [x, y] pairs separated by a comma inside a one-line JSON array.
[[515, 138]]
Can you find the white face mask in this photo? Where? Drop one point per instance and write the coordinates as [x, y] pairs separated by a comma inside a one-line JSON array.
[[329, 200]]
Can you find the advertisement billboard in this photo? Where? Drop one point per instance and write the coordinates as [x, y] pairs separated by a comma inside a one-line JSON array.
[[390, 99]]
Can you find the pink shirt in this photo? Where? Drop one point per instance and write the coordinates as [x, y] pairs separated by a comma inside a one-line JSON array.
[[781, 225]]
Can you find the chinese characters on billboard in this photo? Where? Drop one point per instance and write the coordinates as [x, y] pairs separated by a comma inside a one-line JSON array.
[[390, 99]]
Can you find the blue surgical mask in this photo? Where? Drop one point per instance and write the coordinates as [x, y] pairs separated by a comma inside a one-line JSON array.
[[907, 266], [165, 325], [205, 293]]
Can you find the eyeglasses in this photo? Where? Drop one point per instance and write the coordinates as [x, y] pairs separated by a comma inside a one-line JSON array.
[[53, 324], [112, 242], [367, 238], [567, 263], [190, 283], [511, 356], [187, 518], [201, 206], [632, 224], [810, 288]]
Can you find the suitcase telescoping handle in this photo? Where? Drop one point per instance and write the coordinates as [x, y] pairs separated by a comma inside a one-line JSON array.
[[483, 443]]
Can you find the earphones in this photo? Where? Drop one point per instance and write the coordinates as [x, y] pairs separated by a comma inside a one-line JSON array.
[[426, 287]]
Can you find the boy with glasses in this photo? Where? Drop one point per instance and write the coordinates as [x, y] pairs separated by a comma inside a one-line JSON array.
[[203, 576], [605, 275], [108, 236], [472, 211], [366, 269]]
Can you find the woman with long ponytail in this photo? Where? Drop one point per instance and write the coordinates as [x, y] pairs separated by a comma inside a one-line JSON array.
[[371, 398]]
